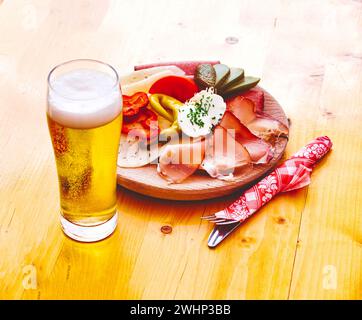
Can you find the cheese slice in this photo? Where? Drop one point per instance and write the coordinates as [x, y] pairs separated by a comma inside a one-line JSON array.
[[142, 80]]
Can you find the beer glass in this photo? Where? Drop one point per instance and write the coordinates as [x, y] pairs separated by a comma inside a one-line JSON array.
[[84, 119]]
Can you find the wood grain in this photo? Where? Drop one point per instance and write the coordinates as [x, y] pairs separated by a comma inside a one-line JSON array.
[[305, 244], [200, 186]]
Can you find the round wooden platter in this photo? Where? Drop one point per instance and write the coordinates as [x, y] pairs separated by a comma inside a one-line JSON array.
[[199, 186]]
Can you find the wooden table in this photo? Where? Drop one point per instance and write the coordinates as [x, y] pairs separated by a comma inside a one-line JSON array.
[[304, 245]]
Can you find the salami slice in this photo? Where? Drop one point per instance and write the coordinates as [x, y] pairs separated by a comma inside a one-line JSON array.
[[188, 66]]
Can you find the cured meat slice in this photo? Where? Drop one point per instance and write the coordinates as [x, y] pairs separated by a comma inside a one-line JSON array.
[[257, 96], [223, 154], [243, 109], [179, 161], [259, 150], [267, 128], [261, 125], [188, 66]]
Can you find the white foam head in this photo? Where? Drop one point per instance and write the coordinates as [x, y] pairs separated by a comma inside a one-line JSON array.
[[84, 98]]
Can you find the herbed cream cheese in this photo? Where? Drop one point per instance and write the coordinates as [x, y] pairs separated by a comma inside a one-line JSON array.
[[198, 116]]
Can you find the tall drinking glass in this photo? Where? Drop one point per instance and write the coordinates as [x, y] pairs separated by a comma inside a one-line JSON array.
[[84, 119]]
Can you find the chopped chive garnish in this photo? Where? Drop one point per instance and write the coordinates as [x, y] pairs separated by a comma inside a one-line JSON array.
[[201, 109]]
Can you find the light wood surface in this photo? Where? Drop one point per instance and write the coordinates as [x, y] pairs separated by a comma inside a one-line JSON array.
[[200, 186], [305, 244]]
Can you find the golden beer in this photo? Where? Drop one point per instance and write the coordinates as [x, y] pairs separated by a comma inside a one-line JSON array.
[[84, 119], [86, 168]]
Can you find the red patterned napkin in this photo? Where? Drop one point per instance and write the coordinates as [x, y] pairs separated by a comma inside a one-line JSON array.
[[293, 174]]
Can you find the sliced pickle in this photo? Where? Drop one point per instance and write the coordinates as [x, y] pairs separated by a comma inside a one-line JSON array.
[[246, 84], [222, 73], [236, 75]]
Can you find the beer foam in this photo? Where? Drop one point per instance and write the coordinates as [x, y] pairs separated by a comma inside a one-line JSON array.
[[84, 98]]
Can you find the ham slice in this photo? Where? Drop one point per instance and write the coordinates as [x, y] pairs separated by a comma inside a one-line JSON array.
[[259, 150], [268, 128], [243, 108], [188, 67], [223, 154], [257, 96], [261, 125], [179, 161], [219, 155]]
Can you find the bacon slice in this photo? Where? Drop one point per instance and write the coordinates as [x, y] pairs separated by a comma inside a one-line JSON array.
[[188, 66], [179, 161], [260, 151], [223, 154], [261, 125]]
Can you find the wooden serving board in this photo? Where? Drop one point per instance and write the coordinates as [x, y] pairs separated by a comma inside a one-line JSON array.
[[200, 185]]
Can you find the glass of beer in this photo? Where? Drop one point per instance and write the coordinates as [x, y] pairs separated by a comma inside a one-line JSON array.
[[84, 119]]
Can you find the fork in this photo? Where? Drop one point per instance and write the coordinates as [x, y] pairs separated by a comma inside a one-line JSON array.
[[221, 230]]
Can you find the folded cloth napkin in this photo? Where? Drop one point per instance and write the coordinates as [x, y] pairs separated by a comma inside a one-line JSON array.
[[293, 174]]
